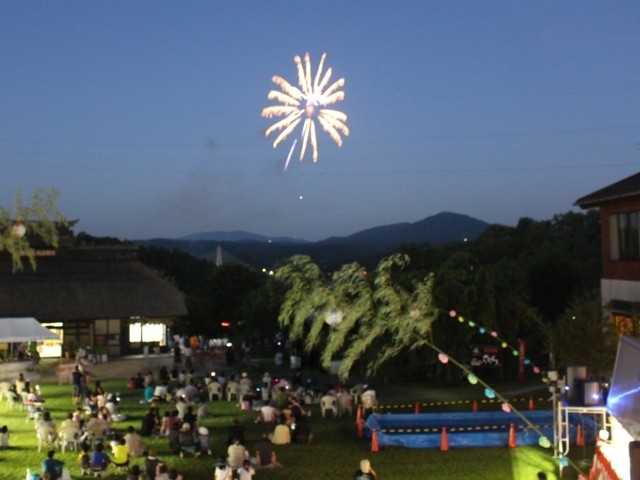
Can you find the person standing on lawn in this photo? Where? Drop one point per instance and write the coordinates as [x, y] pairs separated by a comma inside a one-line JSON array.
[[77, 381]]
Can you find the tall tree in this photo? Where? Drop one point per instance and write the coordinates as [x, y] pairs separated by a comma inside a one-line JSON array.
[[29, 223], [584, 336], [355, 315]]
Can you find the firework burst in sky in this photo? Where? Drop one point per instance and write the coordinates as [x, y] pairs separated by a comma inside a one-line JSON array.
[[307, 104]]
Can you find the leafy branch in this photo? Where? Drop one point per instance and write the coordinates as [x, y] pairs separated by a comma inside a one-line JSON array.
[[39, 219]]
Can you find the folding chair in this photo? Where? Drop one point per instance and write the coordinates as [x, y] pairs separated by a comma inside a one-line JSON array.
[[233, 391], [215, 390]]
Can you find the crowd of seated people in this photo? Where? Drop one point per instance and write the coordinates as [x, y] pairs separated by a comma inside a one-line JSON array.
[[181, 425]]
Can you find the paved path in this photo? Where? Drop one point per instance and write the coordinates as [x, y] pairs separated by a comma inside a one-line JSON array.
[[121, 367]]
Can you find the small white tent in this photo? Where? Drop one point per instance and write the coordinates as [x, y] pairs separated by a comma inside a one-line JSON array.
[[24, 329]]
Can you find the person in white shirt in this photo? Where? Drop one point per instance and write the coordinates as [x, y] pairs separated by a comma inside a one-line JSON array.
[[246, 472], [161, 391], [236, 455], [268, 414], [223, 471]]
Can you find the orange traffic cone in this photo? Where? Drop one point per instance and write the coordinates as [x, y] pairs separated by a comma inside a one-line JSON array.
[[359, 422], [580, 436], [532, 405], [416, 409], [474, 407], [513, 443], [375, 447], [444, 441]]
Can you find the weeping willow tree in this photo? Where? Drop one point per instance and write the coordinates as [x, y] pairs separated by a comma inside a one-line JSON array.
[[37, 220], [356, 315]]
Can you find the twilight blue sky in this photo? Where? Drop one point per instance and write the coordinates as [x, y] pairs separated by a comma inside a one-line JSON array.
[[146, 114]]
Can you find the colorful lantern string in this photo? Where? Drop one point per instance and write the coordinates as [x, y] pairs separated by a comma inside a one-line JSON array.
[[544, 442], [489, 393], [504, 344]]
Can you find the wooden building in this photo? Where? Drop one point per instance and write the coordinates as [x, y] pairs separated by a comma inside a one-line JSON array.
[[97, 296], [619, 206]]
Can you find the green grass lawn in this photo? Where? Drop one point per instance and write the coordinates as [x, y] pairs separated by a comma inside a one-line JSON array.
[[334, 453]]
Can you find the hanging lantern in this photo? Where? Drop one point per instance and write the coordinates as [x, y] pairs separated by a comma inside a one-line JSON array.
[[489, 393], [472, 379], [452, 313], [443, 357], [544, 442], [18, 230], [333, 317], [506, 407]]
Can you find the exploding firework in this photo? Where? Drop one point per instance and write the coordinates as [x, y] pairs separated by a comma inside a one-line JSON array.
[[307, 104]]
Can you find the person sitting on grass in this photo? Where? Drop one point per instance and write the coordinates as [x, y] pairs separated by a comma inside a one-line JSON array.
[[265, 454], [147, 394], [222, 471], [187, 442], [84, 460], [134, 473], [163, 472], [236, 454], [246, 472], [52, 466], [151, 464], [175, 475], [365, 472], [203, 440], [121, 454], [281, 435], [99, 460], [134, 442]]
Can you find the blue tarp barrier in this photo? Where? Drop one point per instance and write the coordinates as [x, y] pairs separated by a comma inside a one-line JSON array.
[[468, 429]]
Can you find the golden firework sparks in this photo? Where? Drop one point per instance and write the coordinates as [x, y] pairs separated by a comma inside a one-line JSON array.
[[307, 104]]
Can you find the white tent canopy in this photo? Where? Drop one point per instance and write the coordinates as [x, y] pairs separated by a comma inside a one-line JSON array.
[[24, 329]]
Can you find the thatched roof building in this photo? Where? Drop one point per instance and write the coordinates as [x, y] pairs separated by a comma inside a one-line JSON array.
[[95, 292]]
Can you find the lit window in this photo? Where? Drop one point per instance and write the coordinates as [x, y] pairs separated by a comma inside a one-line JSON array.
[[624, 234], [148, 332]]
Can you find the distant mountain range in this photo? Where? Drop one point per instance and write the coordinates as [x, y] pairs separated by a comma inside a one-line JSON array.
[[237, 236], [366, 246]]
